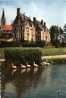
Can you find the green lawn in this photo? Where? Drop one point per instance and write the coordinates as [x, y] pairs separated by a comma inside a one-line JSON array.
[[53, 51], [45, 51], [1, 52]]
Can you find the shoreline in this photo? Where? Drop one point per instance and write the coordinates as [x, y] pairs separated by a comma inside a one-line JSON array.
[[51, 58], [54, 57], [51, 54]]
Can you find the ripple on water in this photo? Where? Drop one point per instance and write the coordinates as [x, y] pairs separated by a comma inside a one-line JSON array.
[[47, 83]]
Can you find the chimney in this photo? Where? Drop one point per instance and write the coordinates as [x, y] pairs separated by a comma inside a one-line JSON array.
[[42, 22], [34, 19], [18, 11]]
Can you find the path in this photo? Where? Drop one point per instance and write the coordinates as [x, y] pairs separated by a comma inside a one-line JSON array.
[[54, 57]]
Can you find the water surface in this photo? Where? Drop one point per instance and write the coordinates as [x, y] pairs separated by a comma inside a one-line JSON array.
[[49, 82]]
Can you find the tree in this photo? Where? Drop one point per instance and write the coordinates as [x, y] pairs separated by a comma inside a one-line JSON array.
[[54, 33], [60, 30]]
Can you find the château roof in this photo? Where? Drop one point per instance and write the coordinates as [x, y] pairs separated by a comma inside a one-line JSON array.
[[39, 26], [6, 27], [22, 19]]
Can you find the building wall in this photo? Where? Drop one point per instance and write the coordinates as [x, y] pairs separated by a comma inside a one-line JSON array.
[[38, 35], [45, 35], [18, 32], [29, 32]]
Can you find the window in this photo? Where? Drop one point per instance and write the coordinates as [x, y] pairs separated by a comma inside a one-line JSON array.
[[46, 38], [27, 36], [27, 29]]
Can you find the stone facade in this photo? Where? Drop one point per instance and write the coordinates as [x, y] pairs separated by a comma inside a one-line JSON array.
[[29, 31], [45, 36], [42, 32]]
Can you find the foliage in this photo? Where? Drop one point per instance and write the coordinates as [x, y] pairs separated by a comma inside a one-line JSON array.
[[23, 44], [23, 56], [54, 32]]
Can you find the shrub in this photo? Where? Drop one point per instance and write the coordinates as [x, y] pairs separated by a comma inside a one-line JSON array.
[[19, 56]]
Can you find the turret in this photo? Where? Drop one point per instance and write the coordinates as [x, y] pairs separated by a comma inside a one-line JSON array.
[[3, 19], [18, 11]]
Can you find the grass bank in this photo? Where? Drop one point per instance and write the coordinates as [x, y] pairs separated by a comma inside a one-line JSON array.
[[55, 58], [53, 51], [44, 51]]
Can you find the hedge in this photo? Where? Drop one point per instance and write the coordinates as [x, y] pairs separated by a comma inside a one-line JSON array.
[[21, 56]]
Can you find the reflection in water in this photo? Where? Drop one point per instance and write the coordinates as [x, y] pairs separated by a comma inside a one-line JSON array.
[[21, 80], [49, 82]]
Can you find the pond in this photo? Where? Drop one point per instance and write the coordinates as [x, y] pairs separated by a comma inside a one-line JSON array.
[[47, 82]]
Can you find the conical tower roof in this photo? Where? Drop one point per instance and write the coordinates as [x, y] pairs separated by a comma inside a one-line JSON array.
[[3, 19]]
